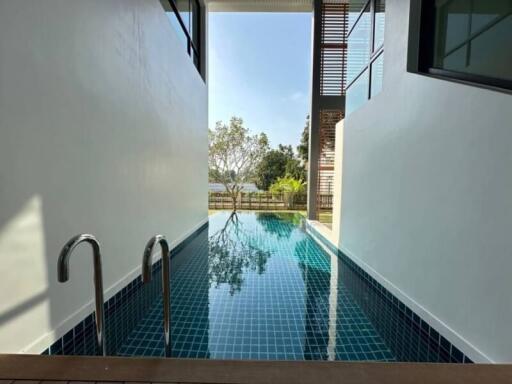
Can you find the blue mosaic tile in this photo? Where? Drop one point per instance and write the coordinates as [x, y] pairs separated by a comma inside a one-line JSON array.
[[258, 287]]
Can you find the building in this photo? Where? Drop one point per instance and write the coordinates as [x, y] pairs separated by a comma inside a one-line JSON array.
[[103, 128], [424, 171]]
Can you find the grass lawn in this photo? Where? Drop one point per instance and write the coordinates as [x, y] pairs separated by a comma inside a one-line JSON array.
[[324, 217]]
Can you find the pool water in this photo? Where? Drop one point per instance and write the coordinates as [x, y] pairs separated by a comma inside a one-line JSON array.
[[256, 286]]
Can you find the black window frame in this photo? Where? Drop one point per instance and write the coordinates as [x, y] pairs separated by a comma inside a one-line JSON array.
[[375, 52], [421, 57], [194, 50]]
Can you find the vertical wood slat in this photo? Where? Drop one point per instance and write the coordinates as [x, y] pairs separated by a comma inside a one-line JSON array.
[[333, 49], [327, 137]]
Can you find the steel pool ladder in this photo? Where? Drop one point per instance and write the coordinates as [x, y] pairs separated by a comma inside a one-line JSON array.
[[63, 276], [166, 287]]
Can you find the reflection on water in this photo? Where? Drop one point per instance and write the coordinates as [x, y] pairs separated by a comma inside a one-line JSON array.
[[316, 278], [280, 224], [255, 286], [271, 295], [232, 251]]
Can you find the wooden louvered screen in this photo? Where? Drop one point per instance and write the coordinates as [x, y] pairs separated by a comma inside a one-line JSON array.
[[333, 48], [328, 121]]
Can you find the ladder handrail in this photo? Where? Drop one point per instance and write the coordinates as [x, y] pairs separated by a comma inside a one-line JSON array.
[[63, 276], [166, 288]]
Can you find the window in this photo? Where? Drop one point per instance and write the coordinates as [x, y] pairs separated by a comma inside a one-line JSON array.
[[185, 17], [365, 59], [466, 40]]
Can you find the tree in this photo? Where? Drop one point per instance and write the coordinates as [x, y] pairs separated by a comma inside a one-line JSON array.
[[276, 163], [289, 187], [303, 148], [296, 169], [233, 155]]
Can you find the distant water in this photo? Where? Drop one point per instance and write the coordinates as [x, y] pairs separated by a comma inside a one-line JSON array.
[[217, 187]]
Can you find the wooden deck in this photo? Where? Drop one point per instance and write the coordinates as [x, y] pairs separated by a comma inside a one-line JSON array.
[[28, 369]]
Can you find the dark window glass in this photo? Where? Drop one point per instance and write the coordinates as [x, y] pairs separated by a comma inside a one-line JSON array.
[[472, 38], [488, 12], [452, 26], [455, 61], [491, 51]]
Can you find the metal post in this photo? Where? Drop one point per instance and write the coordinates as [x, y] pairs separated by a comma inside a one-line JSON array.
[[314, 126]]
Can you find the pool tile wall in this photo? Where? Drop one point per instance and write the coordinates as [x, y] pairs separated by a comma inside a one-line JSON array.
[[409, 337], [123, 312]]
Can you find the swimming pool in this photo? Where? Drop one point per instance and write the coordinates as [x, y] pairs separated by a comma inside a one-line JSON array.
[[257, 286]]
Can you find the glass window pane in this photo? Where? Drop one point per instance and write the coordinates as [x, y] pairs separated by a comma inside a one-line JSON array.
[[377, 74], [486, 12], [487, 51], [472, 37], [357, 93], [452, 20], [456, 61], [380, 18], [354, 9], [184, 10], [359, 46], [491, 51]]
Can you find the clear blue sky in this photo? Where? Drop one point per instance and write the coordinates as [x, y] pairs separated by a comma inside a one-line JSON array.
[[259, 70]]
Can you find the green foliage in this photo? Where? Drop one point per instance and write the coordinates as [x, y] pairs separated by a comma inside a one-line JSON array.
[[234, 154], [296, 169], [278, 163], [272, 166], [303, 148], [288, 185]]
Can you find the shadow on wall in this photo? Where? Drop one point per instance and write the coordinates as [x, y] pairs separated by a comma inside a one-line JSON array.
[[25, 293], [32, 302]]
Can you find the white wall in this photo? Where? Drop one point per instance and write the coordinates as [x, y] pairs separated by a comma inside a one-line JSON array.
[[103, 129], [335, 235], [427, 197]]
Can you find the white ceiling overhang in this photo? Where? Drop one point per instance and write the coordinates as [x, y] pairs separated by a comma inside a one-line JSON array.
[[260, 5]]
